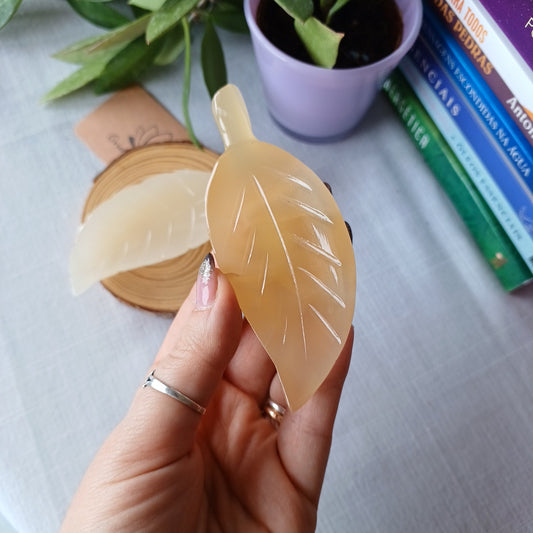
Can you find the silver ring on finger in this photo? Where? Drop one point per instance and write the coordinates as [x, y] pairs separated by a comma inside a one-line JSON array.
[[158, 385]]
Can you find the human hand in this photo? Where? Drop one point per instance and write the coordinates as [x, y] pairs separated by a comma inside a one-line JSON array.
[[167, 468]]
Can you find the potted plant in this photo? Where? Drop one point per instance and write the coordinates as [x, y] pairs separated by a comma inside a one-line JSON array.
[[304, 54], [313, 89]]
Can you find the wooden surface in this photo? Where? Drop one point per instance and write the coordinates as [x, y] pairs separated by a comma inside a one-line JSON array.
[[161, 287]]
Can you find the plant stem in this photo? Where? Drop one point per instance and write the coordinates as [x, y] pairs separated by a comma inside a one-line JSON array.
[[187, 81]]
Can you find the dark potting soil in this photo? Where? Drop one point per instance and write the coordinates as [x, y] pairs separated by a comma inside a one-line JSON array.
[[372, 30]]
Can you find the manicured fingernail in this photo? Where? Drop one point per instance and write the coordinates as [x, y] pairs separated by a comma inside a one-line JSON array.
[[349, 228], [206, 284]]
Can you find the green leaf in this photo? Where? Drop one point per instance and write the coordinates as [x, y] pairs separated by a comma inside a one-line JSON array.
[[337, 6], [76, 80], [79, 52], [124, 34], [150, 5], [187, 81], [229, 16], [213, 63], [98, 13], [7, 9], [299, 10], [167, 17], [321, 42], [325, 6], [87, 50], [126, 67], [173, 45]]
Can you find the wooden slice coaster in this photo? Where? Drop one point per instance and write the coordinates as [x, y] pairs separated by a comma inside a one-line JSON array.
[[164, 286]]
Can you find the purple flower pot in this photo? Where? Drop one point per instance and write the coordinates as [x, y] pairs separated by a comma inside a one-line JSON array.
[[316, 103]]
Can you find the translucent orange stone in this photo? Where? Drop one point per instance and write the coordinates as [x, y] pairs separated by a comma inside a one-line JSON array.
[[280, 238]]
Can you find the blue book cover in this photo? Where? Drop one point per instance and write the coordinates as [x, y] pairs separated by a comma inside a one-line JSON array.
[[482, 99], [487, 232], [473, 147]]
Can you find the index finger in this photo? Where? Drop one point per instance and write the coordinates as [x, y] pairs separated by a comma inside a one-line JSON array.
[[192, 359]]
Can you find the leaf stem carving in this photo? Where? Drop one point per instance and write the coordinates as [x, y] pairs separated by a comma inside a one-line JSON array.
[[287, 256]]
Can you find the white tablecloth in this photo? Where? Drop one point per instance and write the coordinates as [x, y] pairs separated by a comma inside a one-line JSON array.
[[435, 427]]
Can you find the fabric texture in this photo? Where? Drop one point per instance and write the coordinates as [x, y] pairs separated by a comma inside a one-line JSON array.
[[434, 431]]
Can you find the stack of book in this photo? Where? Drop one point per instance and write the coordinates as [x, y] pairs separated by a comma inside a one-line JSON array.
[[465, 96]]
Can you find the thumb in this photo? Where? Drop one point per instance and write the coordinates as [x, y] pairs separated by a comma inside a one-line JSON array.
[[199, 344]]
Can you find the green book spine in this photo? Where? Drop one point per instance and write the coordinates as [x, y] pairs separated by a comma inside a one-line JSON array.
[[485, 229]]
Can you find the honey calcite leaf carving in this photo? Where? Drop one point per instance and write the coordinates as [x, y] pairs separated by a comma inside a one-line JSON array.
[[160, 218], [279, 237]]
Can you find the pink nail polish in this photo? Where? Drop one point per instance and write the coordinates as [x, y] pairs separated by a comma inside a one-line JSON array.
[[206, 284]]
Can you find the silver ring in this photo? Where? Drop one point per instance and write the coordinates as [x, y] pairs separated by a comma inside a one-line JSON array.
[[158, 385], [274, 411]]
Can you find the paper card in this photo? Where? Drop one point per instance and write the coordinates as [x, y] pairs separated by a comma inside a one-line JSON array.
[[129, 119]]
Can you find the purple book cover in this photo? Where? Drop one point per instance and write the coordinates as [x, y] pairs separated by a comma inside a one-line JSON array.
[[515, 19]]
